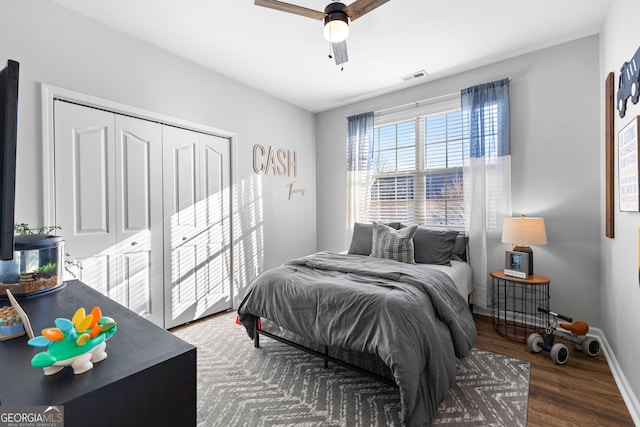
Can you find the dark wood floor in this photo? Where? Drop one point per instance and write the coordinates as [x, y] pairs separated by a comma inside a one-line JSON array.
[[581, 393]]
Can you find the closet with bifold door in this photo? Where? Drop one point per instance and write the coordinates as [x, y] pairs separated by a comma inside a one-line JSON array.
[[144, 207]]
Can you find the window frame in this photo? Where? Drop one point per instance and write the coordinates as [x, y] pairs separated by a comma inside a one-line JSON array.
[[415, 208]]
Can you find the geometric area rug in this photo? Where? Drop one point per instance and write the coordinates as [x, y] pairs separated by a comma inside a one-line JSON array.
[[276, 384]]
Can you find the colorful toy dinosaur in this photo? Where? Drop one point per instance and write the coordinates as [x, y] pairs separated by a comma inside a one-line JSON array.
[[79, 342]]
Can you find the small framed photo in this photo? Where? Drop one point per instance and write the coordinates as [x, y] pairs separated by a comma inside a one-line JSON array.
[[628, 167], [516, 264]]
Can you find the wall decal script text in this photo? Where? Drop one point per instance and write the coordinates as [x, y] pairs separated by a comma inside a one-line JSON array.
[[293, 190]]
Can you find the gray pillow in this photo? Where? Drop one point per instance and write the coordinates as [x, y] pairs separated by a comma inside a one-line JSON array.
[[460, 247], [363, 236], [393, 244], [433, 246]]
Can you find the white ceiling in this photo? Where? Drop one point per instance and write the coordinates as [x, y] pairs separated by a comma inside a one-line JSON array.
[[285, 55]]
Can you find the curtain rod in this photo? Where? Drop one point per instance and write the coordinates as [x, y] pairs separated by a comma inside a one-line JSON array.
[[435, 98], [416, 102]]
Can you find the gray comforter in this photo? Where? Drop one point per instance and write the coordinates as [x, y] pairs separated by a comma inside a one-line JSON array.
[[416, 323]]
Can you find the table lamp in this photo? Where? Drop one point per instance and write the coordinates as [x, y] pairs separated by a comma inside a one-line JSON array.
[[522, 232]]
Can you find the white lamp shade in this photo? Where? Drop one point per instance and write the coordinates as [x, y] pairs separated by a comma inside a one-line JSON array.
[[524, 231], [336, 31]]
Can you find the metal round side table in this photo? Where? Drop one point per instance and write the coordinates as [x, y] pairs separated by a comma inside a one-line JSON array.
[[515, 303]]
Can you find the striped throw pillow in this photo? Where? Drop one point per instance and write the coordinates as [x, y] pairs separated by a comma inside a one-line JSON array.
[[393, 244]]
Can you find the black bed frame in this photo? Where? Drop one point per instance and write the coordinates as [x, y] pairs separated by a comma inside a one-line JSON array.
[[326, 356]]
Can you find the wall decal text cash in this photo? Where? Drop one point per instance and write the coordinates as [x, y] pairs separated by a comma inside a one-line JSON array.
[[276, 161]]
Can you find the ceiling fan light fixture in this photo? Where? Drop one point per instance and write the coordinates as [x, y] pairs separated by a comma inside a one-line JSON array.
[[336, 23], [336, 31]]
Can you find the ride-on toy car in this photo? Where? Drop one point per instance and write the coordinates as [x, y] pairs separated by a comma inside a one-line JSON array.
[[574, 332]]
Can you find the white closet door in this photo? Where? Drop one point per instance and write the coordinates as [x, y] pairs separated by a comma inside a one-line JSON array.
[[109, 203], [197, 225], [85, 194], [138, 182]]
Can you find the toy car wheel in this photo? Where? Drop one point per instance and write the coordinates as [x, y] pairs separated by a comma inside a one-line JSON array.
[[577, 346], [591, 346], [535, 343], [622, 107], [559, 354]]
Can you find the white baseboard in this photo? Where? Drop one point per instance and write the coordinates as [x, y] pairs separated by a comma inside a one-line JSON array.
[[625, 389], [482, 311]]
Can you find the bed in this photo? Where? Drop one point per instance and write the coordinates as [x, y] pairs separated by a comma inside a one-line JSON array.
[[412, 315]]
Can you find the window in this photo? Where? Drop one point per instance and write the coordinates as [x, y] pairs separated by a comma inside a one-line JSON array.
[[417, 170]]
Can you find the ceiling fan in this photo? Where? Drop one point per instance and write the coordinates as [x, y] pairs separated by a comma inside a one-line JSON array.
[[336, 18]]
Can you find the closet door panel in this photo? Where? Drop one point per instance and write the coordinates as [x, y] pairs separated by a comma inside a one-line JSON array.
[[90, 190], [182, 293], [180, 188], [215, 177], [212, 272], [85, 195], [185, 172], [213, 180], [136, 290], [139, 219], [135, 178], [97, 272], [180, 185], [196, 174]]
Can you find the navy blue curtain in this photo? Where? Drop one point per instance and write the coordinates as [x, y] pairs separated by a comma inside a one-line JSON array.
[[485, 108], [359, 142]]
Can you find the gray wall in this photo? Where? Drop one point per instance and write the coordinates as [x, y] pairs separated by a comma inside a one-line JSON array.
[[64, 49], [620, 291], [555, 139]]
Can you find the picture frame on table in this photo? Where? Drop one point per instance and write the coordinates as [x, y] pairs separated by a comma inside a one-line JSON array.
[[516, 264], [628, 162]]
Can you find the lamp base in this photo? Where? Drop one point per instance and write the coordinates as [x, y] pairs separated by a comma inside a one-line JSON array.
[[527, 250]]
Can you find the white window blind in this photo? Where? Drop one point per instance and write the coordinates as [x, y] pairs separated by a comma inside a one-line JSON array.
[[417, 165]]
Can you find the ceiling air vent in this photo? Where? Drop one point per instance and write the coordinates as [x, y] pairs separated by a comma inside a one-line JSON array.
[[416, 75]]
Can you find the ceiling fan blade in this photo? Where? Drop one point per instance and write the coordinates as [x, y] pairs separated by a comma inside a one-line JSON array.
[[359, 7], [291, 8], [340, 52]]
